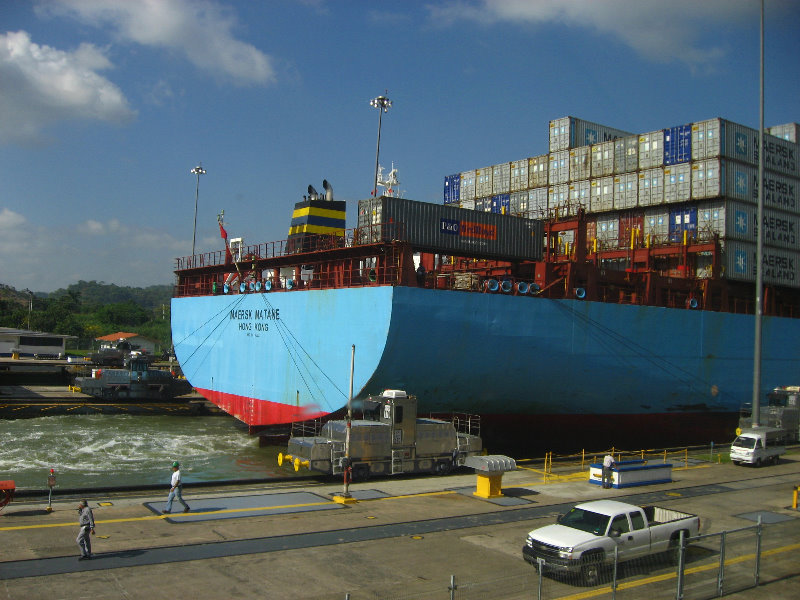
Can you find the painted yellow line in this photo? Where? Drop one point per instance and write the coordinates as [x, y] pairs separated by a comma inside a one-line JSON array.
[[667, 576]]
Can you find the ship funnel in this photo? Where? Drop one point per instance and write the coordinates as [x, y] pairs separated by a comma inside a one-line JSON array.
[[312, 193], [328, 190]]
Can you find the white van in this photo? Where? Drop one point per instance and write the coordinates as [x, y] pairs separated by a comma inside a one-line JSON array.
[[758, 446]]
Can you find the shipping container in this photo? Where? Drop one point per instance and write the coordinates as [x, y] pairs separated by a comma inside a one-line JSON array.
[[591, 234], [626, 154], [452, 189], [602, 159], [651, 186], [519, 204], [483, 182], [720, 138], [538, 203], [678, 144], [651, 149], [656, 226], [538, 169], [607, 232], [779, 266], [678, 183], [519, 175], [570, 132], [682, 220], [448, 229], [558, 200], [734, 220], [601, 195], [787, 131], [580, 164], [501, 204], [483, 204], [715, 177], [468, 179], [501, 178], [559, 167], [631, 227], [467, 204], [626, 191], [579, 196]]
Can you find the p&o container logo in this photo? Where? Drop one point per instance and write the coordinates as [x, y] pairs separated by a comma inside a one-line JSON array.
[[468, 229]]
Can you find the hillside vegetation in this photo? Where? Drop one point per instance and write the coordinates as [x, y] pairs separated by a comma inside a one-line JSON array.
[[90, 309]]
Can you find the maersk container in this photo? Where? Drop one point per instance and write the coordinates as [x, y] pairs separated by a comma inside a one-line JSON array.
[[678, 144], [519, 175], [501, 204], [452, 189], [787, 131], [651, 149], [538, 203], [580, 164], [656, 225], [778, 266], [720, 138], [538, 171], [579, 194], [626, 191], [483, 182], [602, 157], [626, 154], [447, 229], [571, 132], [651, 186], [558, 171], [682, 220], [601, 195], [468, 179], [678, 183], [734, 220], [501, 178]]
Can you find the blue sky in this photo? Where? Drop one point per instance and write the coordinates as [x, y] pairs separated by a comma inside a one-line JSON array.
[[106, 105]]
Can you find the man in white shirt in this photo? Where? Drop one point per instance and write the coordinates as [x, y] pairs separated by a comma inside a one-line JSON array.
[[608, 464], [175, 490]]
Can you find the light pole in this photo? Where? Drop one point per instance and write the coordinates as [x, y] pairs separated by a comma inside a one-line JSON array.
[[382, 103], [198, 170], [30, 308]]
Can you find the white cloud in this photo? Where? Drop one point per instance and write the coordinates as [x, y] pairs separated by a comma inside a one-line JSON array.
[[658, 30], [40, 85], [200, 30]]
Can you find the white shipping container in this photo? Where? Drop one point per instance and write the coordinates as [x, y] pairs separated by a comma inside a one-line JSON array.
[[733, 220], [720, 138], [651, 186], [558, 200], [538, 168], [518, 203], [608, 232], [580, 164], [779, 266], [656, 226], [579, 196], [626, 191], [467, 204], [483, 182], [626, 154], [559, 167], [519, 175], [651, 149], [501, 178], [467, 192], [601, 195], [787, 131], [571, 132], [602, 156], [678, 182], [538, 203]]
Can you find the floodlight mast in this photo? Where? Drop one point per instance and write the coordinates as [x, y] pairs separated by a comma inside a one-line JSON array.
[[382, 103], [198, 170]]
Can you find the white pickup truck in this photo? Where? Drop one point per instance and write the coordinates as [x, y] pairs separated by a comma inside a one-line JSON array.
[[583, 540]]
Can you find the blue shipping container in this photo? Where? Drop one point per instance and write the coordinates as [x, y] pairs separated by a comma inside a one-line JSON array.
[[452, 189], [678, 144], [501, 204], [680, 220]]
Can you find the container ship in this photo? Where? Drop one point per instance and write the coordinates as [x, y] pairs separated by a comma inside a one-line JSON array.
[[600, 294]]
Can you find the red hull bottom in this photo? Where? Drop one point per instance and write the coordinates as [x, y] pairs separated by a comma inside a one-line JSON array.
[[262, 412]]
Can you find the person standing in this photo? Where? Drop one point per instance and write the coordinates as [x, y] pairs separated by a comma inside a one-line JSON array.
[[175, 490], [608, 464], [86, 523]]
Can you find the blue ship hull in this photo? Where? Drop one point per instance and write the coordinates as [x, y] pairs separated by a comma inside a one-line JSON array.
[[518, 361]]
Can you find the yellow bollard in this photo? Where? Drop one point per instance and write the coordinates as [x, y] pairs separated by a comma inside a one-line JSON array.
[[794, 497], [489, 486]]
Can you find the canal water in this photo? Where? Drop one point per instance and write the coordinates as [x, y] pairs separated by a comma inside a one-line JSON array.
[[89, 451]]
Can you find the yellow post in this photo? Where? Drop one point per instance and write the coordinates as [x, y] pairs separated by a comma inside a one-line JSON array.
[[489, 485], [594, 245], [794, 497]]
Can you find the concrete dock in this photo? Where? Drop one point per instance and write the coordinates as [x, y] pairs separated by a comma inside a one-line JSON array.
[[403, 538]]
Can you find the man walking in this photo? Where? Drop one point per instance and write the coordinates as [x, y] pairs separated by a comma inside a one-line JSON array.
[[608, 464], [175, 490], [86, 523]]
